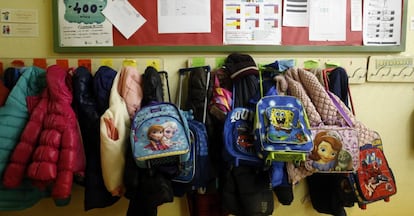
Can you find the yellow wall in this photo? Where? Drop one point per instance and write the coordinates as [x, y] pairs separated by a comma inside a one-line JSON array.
[[385, 107]]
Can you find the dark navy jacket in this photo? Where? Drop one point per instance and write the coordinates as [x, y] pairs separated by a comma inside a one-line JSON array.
[[90, 100]]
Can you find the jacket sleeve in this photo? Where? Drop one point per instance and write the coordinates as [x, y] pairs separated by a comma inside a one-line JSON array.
[[71, 162], [20, 158], [114, 138]]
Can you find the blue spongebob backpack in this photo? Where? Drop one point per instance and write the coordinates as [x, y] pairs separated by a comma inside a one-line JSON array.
[[282, 130], [151, 146]]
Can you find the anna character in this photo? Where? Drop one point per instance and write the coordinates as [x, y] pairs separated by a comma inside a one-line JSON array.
[[155, 134]]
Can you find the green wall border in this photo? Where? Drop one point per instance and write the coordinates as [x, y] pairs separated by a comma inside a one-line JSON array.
[[229, 48]]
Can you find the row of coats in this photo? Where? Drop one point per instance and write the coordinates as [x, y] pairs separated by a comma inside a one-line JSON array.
[[50, 149], [72, 115]]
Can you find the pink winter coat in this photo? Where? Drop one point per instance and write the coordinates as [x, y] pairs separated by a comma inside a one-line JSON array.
[[50, 151]]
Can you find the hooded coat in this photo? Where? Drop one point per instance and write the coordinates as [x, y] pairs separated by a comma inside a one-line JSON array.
[[124, 101], [50, 151], [13, 118]]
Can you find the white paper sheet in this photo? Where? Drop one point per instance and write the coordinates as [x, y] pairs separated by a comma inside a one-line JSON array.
[[327, 20], [253, 22], [124, 17], [382, 22], [356, 15], [184, 16], [295, 13]]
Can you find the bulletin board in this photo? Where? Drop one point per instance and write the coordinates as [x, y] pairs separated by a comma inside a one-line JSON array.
[[147, 38]]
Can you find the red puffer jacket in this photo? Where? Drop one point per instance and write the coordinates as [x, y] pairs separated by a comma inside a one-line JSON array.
[[50, 150]]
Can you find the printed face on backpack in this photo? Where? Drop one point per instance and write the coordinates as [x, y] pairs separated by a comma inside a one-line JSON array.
[[280, 118], [283, 125], [333, 151], [161, 136]]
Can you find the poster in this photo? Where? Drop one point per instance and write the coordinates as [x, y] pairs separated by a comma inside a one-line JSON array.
[[252, 22], [382, 22], [81, 23]]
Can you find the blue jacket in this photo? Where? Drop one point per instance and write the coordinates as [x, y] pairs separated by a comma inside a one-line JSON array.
[[13, 118]]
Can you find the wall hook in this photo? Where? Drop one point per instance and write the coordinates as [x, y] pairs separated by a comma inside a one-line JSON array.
[[388, 72], [407, 75], [353, 74], [379, 70], [398, 74]]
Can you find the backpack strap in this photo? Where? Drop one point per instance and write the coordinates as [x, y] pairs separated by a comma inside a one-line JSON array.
[[165, 73], [340, 109]]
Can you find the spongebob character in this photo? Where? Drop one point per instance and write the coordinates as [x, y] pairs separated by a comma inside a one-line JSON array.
[[281, 118], [281, 122]]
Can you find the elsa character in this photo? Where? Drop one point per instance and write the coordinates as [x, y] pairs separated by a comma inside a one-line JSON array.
[[170, 128]]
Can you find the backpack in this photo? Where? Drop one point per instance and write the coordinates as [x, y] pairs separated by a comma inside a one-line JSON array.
[[238, 138], [374, 179], [149, 146], [282, 131], [246, 183], [196, 170], [221, 100], [344, 140]]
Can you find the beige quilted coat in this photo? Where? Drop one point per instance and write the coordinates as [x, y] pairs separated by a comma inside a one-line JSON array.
[[321, 110]]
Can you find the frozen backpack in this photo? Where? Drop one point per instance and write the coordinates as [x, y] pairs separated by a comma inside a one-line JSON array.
[[150, 146]]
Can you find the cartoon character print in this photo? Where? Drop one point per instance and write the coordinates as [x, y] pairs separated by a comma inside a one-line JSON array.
[[344, 162], [155, 136], [170, 129], [373, 176], [245, 138], [280, 124], [281, 118], [324, 154]]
